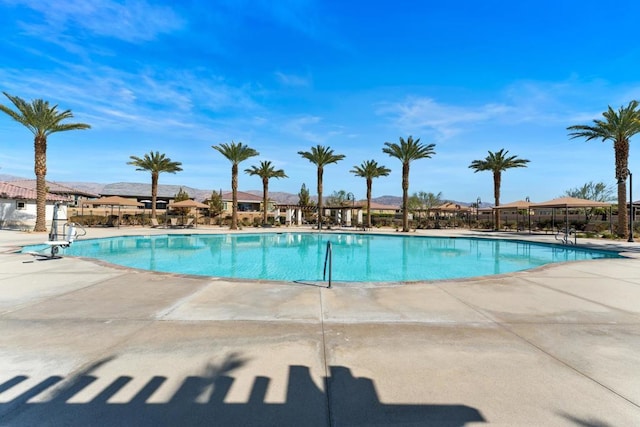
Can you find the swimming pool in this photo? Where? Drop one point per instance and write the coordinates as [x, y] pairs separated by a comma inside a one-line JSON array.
[[301, 256]]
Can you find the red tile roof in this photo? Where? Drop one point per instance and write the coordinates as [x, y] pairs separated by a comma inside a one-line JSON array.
[[11, 191], [54, 187]]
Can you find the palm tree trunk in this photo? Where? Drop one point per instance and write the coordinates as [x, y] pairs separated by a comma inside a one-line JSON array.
[[154, 193], [623, 229], [405, 197], [622, 156], [369, 182], [265, 191], [234, 197], [320, 173], [497, 181], [40, 169]]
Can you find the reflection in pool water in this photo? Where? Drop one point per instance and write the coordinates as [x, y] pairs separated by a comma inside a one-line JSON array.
[[300, 256]]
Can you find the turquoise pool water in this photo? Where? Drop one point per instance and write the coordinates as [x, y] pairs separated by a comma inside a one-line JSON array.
[[301, 256]]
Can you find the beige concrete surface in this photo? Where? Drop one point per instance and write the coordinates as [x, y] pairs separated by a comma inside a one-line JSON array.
[[85, 343]]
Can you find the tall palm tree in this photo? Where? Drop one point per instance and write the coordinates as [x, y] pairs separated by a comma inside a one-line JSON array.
[[321, 156], [497, 163], [155, 163], [408, 151], [265, 171], [369, 170], [236, 153], [618, 127], [42, 120]]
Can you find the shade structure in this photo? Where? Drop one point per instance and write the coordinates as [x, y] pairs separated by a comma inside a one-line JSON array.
[[518, 204], [570, 202], [114, 201], [189, 203]]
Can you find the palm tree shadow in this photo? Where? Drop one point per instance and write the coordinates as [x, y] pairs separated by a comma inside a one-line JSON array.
[[347, 401], [582, 422]]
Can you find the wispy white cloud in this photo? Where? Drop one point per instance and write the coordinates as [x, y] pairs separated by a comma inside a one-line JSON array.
[[417, 113], [109, 98], [557, 104], [132, 21], [311, 129], [301, 15], [292, 79], [567, 102]]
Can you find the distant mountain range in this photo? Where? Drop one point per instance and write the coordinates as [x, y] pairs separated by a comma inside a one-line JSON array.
[[280, 197]]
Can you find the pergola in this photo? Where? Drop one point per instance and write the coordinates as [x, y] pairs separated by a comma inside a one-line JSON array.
[[518, 205], [567, 203], [114, 201], [293, 213], [343, 214], [189, 204]]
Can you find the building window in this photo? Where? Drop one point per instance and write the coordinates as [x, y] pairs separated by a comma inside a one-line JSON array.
[[20, 204]]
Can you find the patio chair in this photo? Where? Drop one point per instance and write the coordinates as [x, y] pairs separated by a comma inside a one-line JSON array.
[[154, 223], [173, 223], [189, 223]]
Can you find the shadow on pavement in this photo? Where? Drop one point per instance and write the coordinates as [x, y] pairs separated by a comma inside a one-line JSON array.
[[349, 401]]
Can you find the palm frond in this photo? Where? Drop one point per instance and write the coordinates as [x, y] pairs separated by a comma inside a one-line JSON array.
[[235, 152], [39, 117], [370, 169], [321, 156], [408, 150], [498, 162], [266, 170], [155, 162]]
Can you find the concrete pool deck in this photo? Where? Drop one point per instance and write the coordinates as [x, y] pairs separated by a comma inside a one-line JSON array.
[[84, 343]]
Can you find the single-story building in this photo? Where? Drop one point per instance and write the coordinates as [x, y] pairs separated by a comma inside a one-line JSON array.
[[57, 189], [18, 207], [142, 193]]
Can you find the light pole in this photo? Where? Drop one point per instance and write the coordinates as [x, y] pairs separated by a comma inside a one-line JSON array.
[[630, 206], [352, 198], [478, 201], [529, 213]]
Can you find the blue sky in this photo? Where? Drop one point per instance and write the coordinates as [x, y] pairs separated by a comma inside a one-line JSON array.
[[283, 76]]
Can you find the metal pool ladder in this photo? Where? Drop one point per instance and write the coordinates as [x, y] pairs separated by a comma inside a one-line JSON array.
[[327, 258], [564, 235]]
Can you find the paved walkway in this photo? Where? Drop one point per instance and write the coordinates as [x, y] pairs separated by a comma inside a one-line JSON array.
[[84, 343]]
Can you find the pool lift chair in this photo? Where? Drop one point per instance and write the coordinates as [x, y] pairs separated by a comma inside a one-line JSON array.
[[69, 234]]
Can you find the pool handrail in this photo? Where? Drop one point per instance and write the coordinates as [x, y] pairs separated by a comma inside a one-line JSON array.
[[328, 257]]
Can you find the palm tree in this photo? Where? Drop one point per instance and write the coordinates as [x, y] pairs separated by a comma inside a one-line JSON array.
[[42, 120], [155, 163], [406, 152], [236, 153], [618, 127], [265, 171], [497, 163], [369, 170], [321, 156]]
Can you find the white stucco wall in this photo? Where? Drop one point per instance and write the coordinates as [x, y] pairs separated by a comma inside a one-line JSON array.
[[25, 219]]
